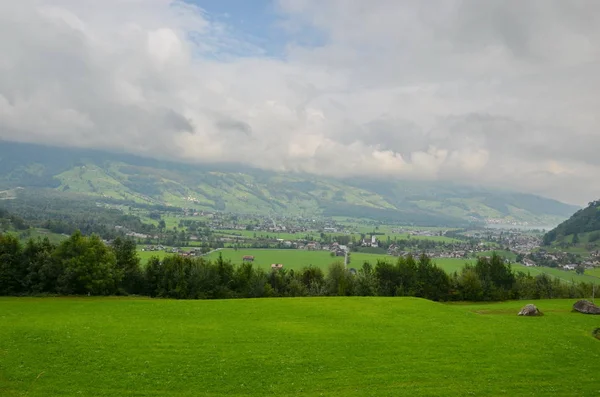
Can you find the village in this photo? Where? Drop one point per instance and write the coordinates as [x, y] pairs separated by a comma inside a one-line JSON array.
[[217, 230]]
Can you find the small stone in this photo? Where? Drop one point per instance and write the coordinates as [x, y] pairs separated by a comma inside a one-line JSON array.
[[530, 310], [586, 307]]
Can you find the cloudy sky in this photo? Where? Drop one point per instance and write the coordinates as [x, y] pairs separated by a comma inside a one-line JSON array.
[[496, 92]]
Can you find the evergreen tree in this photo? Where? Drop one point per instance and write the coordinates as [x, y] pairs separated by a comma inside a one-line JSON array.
[[12, 270], [128, 264]]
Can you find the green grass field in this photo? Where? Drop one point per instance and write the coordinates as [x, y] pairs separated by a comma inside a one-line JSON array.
[[593, 272], [297, 259], [305, 346], [36, 233], [145, 255]]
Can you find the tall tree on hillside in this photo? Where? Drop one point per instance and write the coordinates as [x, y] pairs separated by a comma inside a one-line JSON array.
[[433, 282], [42, 269], [470, 284], [339, 280], [366, 281], [575, 240], [128, 263], [88, 266], [12, 271], [497, 278], [407, 283]]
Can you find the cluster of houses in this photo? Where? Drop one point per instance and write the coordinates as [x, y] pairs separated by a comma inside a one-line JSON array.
[[172, 250], [561, 260], [413, 232], [155, 248]]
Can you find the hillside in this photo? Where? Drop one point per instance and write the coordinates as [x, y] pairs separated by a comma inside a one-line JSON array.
[[283, 347], [583, 227], [234, 188]]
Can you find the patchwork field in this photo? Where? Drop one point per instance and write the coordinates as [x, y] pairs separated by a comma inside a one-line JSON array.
[[307, 346]]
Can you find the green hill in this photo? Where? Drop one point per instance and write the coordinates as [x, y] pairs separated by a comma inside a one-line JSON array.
[[581, 228], [282, 347], [234, 188]]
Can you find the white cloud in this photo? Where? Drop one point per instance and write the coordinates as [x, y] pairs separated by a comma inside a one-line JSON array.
[[494, 92]]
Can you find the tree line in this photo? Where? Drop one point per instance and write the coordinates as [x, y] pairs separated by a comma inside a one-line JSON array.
[[83, 265]]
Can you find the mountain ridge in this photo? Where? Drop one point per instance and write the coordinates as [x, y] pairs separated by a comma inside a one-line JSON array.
[[585, 221], [231, 187]]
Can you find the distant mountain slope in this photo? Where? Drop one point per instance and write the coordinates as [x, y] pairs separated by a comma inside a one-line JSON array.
[[585, 224], [236, 188]]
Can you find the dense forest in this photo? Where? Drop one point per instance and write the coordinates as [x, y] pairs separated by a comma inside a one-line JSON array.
[[583, 221], [84, 265]]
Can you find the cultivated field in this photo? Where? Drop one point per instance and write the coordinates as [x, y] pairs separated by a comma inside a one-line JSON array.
[[307, 346]]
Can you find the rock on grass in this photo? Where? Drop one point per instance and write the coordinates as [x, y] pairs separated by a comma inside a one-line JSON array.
[[530, 310], [586, 307]]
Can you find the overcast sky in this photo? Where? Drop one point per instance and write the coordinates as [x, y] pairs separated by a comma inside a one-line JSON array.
[[497, 92]]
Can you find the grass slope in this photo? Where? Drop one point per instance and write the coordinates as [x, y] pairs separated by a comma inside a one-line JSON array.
[[308, 346]]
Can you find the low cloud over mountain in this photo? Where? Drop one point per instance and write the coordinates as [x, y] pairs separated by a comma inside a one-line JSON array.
[[500, 93]]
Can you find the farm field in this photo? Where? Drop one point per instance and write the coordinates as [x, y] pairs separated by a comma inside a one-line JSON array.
[[272, 235], [146, 255], [593, 272], [297, 259], [313, 235], [559, 273], [35, 233], [305, 346]]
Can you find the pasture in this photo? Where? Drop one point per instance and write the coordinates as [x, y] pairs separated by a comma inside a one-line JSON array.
[[382, 234], [146, 255], [306, 346], [298, 259], [593, 272]]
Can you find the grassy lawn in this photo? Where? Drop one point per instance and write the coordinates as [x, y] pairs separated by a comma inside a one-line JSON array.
[[36, 233], [565, 275], [145, 255], [291, 259], [505, 254], [306, 346], [594, 272], [297, 259], [269, 235]]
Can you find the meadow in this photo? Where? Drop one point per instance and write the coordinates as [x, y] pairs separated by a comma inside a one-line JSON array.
[[382, 234], [38, 233], [298, 259], [293, 346], [146, 255], [593, 272]]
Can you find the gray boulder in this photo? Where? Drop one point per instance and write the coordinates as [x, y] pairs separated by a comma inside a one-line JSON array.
[[587, 307], [530, 310]]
